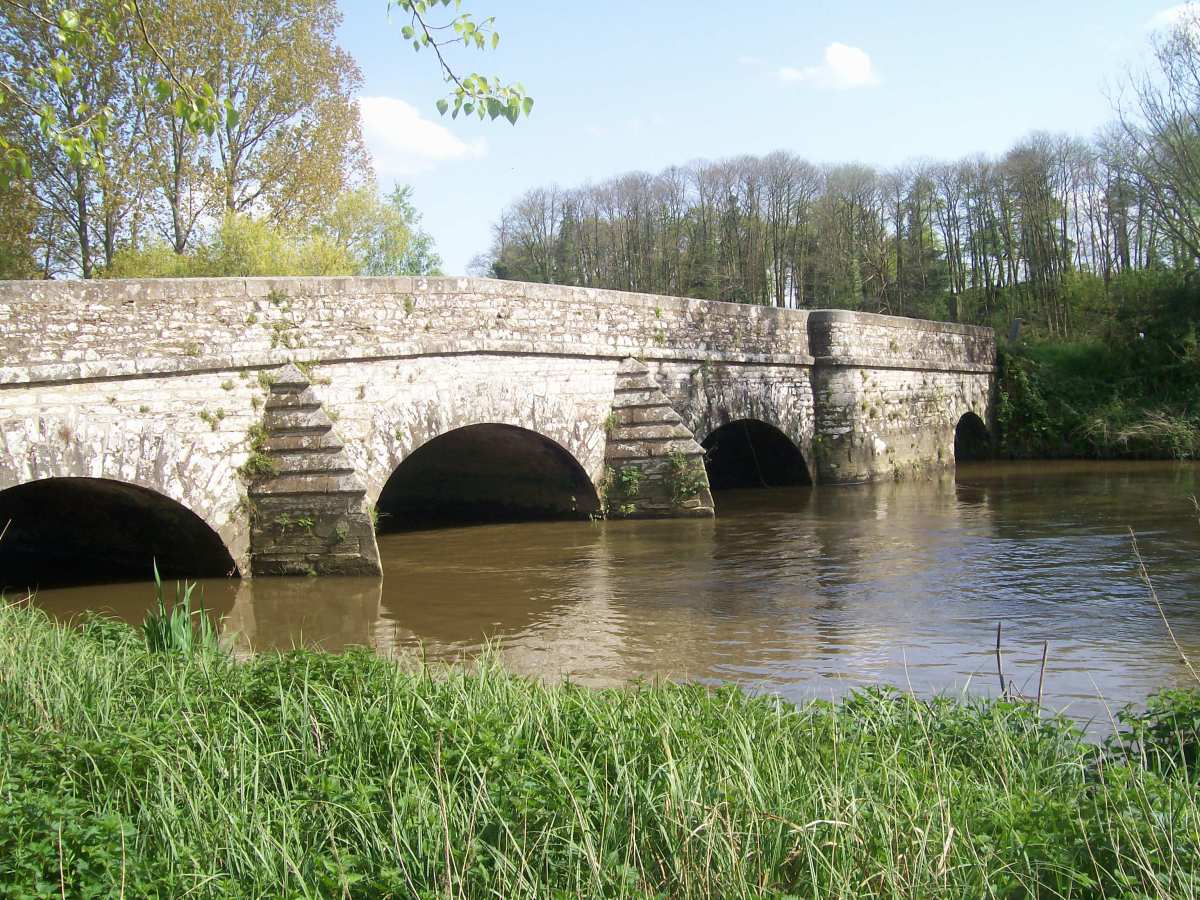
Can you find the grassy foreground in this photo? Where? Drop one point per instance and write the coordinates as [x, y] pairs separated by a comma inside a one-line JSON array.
[[137, 773]]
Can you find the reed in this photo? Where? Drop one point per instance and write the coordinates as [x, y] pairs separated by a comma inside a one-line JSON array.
[[182, 629], [125, 771]]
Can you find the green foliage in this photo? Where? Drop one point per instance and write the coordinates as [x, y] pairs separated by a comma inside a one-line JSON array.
[[241, 246], [72, 38], [258, 463], [686, 477], [619, 489], [1164, 737], [1095, 400], [182, 90], [306, 774], [212, 419], [474, 93], [381, 236], [1131, 391], [183, 629], [419, 256], [361, 234]]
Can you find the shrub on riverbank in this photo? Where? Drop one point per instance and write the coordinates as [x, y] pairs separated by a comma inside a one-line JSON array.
[[1096, 401], [1130, 388], [160, 774]]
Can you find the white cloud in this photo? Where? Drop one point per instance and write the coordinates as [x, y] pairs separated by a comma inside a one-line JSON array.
[[404, 142], [844, 67], [1172, 16]]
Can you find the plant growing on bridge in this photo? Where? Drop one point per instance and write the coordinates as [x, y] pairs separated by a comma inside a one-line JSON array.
[[685, 477], [212, 419], [286, 521], [618, 490], [258, 464]]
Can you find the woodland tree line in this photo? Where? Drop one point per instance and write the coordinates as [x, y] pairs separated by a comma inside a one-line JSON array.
[[1040, 232]]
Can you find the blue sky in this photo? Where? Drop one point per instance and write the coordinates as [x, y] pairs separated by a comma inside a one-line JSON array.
[[623, 85]]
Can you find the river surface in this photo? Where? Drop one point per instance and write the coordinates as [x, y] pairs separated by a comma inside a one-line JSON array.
[[806, 592]]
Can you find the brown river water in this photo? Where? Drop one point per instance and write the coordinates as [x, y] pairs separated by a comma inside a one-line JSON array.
[[805, 592]]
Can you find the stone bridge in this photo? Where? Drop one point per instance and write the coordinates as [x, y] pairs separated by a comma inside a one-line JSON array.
[[269, 425]]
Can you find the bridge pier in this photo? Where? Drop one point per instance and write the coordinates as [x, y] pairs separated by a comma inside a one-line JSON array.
[[888, 393], [308, 513], [654, 468]]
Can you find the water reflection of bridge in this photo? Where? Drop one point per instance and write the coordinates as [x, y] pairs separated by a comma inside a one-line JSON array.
[[603, 602]]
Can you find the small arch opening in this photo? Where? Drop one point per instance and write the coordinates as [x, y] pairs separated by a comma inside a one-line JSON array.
[[752, 454], [485, 473], [971, 439], [65, 531]]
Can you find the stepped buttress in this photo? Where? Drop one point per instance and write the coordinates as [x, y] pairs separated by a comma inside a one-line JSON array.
[[653, 466], [309, 506]]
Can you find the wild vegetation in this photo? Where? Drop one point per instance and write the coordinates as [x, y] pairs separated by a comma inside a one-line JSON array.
[[138, 136], [127, 771], [1128, 387]]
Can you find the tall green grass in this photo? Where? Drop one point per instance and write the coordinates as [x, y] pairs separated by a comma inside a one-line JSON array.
[[125, 772], [182, 629]]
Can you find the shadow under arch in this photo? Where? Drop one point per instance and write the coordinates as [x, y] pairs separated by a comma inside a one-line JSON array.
[[485, 473], [66, 530], [749, 453], [972, 441]]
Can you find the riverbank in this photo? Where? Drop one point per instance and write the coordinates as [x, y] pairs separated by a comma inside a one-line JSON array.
[[1092, 400], [155, 774], [1127, 387]]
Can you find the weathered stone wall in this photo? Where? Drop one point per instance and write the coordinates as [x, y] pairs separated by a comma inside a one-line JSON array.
[[57, 331], [888, 392], [161, 383]]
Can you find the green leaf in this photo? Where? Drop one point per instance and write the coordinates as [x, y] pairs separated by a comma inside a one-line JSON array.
[[442, 106]]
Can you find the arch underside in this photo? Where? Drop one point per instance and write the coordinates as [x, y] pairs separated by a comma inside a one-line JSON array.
[[64, 530], [749, 453], [972, 442], [162, 462], [485, 472]]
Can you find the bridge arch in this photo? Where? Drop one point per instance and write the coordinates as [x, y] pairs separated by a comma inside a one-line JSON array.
[[748, 453], [972, 441], [486, 472], [146, 465], [63, 530], [397, 430], [710, 399]]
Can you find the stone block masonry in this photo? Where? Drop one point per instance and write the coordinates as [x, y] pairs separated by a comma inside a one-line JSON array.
[[171, 384]]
